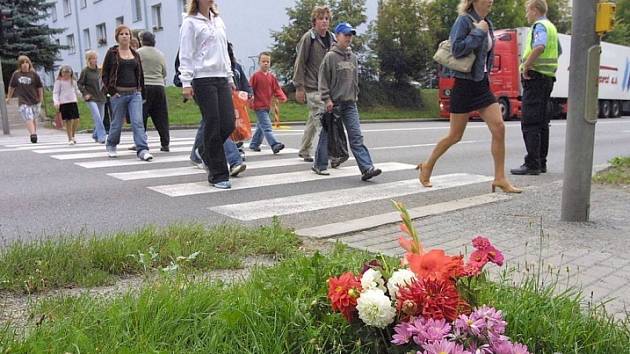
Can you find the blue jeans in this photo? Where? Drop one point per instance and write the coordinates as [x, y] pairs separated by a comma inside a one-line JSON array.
[[98, 112], [350, 117], [121, 105], [232, 155], [263, 127]]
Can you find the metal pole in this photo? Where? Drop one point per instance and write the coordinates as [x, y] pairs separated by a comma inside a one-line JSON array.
[[3, 106], [582, 115]]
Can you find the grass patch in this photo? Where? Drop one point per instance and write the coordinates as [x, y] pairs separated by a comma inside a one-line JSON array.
[[187, 114], [80, 261], [618, 173], [284, 310]]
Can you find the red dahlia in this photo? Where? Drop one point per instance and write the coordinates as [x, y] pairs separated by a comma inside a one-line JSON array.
[[430, 298], [343, 293]]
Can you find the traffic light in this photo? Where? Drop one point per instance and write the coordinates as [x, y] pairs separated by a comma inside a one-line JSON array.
[[6, 24]]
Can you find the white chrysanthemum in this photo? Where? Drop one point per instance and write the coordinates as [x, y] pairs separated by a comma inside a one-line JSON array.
[[398, 279], [375, 308], [372, 279]]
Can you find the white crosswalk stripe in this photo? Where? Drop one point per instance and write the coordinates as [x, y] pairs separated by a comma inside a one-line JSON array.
[[323, 200], [192, 170], [89, 155], [183, 189], [101, 147]]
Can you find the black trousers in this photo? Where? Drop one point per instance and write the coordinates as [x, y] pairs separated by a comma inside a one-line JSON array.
[[535, 121], [214, 97], [155, 106]]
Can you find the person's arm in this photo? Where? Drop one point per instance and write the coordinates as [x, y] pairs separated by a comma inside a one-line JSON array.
[[56, 93], [163, 64], [324, 79], [464, 40], [82, 86], [539, 43], [299, 67], [244, 83], [40, 88], [186, 57], [105, 71], [277, 91], [40, 91], [12, 86]]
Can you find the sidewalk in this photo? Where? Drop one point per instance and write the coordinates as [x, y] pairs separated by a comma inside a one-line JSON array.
[[592, 255], [19, 134]]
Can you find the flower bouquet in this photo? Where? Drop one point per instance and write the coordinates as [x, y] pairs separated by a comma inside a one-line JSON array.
[[427, 305]]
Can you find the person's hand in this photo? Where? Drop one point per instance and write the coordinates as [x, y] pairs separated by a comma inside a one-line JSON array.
[[329, 106], [56, 105], [187, 92], [300, 95], [282, 100], [482, 25], [234, 88], [250, 100], [87, 97]]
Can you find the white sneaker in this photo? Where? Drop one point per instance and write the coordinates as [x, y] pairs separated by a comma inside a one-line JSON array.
[[111, 151], [71, 142], [145, 156]]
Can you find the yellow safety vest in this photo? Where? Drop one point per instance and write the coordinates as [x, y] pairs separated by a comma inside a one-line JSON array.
[[547, 62]]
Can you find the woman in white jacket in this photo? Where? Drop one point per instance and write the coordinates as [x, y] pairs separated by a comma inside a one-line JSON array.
[[206, 75]]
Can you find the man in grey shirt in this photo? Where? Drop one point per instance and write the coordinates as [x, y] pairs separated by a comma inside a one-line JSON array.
[[311, 49], [154, 67]]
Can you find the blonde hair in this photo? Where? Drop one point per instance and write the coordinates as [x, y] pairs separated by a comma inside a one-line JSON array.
[[464, 6], [66, 68], [539, 5], [192, 8], [89, 54], [24, 59], [320, 11]]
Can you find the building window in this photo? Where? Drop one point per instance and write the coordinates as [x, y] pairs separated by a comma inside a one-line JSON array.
[[120, 20], [83, 4], [53, 12], [70, 42], [101, 35], [136, 10], [87, 41], [67, 9], [156, 11]]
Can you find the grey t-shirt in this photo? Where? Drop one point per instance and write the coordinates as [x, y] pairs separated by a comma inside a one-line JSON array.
[[26, 85]]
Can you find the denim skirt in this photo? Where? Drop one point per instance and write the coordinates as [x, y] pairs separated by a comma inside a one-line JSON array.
[[468, 95]]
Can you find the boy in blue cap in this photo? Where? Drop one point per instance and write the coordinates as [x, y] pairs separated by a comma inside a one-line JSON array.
[[339, 90]]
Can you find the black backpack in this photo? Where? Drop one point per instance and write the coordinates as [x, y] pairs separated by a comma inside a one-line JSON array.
[[176, 81]]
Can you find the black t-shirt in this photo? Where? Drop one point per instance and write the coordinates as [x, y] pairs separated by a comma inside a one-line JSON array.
[[26, 85], [326, 40], [127, 73]]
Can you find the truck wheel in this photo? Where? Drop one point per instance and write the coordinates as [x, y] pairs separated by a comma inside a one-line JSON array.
[[604, 109], [504, 105], [615, 109]]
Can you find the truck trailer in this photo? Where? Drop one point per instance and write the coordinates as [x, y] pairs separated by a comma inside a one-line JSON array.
[[505, 79]]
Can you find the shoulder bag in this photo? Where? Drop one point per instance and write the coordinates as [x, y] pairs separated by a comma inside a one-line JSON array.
[[444, 56]]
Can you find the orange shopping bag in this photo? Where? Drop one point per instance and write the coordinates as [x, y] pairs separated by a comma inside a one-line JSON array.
[[242, 126]]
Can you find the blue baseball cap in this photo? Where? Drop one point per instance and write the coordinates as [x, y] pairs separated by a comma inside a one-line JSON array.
[[345, 28]]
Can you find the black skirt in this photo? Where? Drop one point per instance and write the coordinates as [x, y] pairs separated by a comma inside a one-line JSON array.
[[468, 95], [69, 111]]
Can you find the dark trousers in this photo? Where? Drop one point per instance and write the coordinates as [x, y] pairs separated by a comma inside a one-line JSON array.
[[536, 117], [155, 106], [214, 97]]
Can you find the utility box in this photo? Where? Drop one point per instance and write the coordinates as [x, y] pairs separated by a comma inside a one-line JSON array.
[[605, 20]]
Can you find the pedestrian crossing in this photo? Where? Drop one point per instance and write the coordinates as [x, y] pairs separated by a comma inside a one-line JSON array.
[[170, 175]]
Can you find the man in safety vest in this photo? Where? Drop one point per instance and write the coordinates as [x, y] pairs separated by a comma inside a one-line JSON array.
[[538, 73]]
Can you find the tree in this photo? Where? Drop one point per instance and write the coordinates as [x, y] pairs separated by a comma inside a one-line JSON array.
[[402, 39], [621, 31], [27, 35], [285, 41]]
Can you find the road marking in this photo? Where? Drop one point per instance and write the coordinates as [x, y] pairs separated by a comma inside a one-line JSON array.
[[81, 141], [193, 170], [423, 145], [324, 200], [355, 225], [77, 148], [90, 155], [178, 190]]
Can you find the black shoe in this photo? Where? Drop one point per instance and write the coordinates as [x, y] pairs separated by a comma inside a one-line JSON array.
[[33, 138], [372, 172], [257, 149], [524, 170], [276, 148], [165, 149], [306, 157], [320, 172], [336, 162], [239, 145], [132, 148], [543, 169]]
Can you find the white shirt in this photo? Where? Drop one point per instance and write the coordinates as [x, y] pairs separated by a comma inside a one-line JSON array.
[[203, 49]]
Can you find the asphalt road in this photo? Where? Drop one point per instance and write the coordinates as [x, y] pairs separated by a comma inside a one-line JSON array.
[[44, 194]]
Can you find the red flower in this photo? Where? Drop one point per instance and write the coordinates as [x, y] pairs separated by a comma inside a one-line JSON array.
[[485, 252], [343, 293], [435, 264], [430, 298]]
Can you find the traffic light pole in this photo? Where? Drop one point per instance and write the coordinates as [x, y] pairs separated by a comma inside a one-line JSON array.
[[582, 115], [3, 106]]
